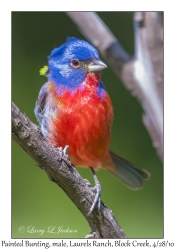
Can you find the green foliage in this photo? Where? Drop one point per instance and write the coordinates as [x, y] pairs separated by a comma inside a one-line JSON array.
[[43, 70]]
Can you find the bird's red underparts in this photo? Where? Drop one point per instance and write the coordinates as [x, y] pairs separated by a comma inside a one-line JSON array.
[[83, 121]]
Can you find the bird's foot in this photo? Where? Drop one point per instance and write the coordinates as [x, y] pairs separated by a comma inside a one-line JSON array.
[[88, 183], [97, 190], [90, 236], [64, 155]]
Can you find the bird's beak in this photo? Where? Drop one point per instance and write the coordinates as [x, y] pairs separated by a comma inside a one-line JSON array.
[[96, 65]]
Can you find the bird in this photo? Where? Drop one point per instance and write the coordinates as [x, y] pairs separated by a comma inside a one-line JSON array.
[[73, 108]]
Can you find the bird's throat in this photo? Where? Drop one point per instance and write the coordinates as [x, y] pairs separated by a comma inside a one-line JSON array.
[[93, 79]]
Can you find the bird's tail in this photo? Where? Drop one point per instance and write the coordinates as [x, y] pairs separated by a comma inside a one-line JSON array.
[[131, 175]]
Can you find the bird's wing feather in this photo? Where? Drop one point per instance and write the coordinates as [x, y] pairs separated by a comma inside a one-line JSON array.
[[42, 108], [40, 103]]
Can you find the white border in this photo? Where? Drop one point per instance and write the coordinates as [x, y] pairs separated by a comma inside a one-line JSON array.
[[5, 94]]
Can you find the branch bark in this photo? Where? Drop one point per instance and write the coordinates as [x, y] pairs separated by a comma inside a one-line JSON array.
[[142, 73], [64, 174]]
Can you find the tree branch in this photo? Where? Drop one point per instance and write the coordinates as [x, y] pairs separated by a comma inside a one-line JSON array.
[[64, 174], [142, 73], [148, 72]]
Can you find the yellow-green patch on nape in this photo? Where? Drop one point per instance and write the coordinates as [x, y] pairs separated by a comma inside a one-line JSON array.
[[43, 71]]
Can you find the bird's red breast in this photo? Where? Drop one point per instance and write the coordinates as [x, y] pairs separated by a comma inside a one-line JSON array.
[[82, 120]]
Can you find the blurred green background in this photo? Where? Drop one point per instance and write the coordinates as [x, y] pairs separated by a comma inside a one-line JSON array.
[[39, 203]]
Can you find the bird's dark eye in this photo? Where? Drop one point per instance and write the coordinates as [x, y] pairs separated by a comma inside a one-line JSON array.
[[75, 63]]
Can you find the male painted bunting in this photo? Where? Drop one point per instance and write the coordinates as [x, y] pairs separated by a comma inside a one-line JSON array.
[[73, 108]]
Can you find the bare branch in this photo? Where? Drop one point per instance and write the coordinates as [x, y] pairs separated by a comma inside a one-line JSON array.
[[64, 174], [142, 74], [148, 72]]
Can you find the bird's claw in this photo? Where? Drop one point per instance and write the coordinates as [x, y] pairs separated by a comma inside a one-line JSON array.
[[65, 150], [88, 183], [64, 154], [97, 190], [90, 236]]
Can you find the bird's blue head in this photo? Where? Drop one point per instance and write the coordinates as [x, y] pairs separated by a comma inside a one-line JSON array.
[[69, 64]]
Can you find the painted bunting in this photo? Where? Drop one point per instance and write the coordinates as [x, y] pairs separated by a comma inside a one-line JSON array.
[[73, 108]]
